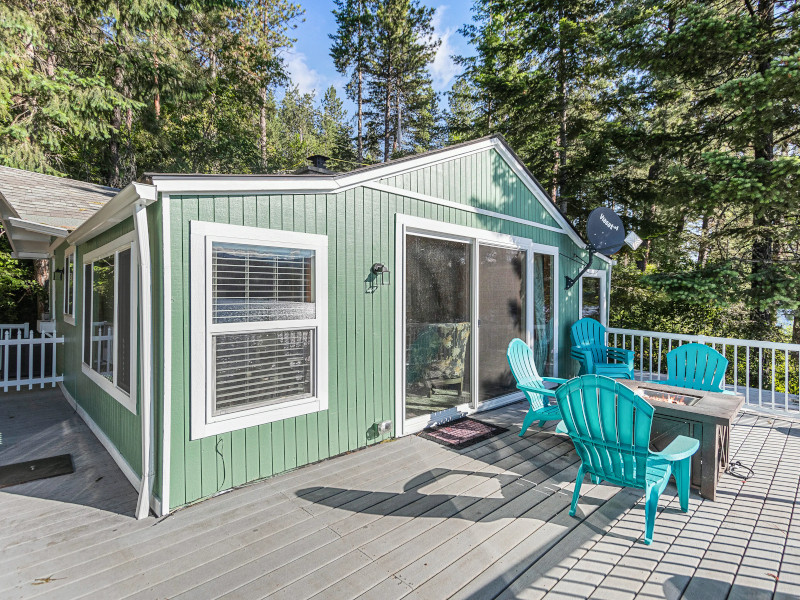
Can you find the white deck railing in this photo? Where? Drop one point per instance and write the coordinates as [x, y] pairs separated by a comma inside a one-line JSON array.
[[14, 330], [27, 360], [766, 373]]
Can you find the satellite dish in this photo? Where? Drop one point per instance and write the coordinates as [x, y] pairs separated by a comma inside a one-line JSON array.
[[605, 231], [606, 235]]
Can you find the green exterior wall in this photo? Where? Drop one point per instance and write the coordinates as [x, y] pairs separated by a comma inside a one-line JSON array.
[[360, 225], [122, 427]]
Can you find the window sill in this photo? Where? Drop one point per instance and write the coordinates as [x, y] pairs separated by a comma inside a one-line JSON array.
[[109, 388], [251, 418], [69, 319]]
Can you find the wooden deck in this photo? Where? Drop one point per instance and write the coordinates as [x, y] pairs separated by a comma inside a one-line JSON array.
[[406, 519]]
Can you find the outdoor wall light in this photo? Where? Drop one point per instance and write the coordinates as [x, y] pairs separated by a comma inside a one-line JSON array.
[[379, 269], [59, 274]]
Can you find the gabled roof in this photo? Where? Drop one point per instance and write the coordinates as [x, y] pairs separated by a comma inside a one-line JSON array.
[[36, 208], [50, 200], [177, 183]]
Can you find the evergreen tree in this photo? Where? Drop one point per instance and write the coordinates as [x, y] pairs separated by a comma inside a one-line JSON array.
[[536, 80], [402, 47], [350, 53], [333, 131], [725, 79]]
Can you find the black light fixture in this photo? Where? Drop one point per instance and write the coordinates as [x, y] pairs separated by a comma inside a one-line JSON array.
[[59, 274], [379, 269]]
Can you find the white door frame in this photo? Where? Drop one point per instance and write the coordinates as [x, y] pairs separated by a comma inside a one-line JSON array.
[[601, 275], [406, 225]]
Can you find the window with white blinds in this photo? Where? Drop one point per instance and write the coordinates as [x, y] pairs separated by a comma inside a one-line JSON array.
[[261, 283], [259, 326]]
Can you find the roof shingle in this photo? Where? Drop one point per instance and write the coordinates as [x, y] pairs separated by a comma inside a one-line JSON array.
[[52, 200]]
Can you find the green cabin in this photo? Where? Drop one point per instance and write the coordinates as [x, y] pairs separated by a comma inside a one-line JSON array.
[[220, 329]]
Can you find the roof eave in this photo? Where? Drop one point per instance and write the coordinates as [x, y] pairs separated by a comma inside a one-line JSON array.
[[113, 212]]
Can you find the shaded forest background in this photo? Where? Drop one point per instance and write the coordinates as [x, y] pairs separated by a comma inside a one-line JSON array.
[[684, 117]]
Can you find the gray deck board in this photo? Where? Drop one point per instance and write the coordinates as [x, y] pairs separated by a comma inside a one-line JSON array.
[[406, 519]]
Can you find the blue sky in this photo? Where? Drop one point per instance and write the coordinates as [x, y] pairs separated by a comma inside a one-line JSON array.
[[310, 65]]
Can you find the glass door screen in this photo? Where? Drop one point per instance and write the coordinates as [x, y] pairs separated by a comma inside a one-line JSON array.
[[438, 283], [502, 306]]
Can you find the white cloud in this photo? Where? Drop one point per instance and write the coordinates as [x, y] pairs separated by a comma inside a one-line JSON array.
[[304, 77], [443, 69]]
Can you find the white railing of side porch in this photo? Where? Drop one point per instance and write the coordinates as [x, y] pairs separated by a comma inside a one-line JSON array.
[[27, 360], [767, 373]]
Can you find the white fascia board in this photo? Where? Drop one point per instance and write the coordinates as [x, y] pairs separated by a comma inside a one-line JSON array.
[[226, 184], [300, 184], [116, 210], [48, 230], [30, 255], [458, 206]]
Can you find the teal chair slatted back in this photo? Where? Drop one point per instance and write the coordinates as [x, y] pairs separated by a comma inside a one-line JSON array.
[[696, 366], [610, 427], [590, 334], [520, 360]]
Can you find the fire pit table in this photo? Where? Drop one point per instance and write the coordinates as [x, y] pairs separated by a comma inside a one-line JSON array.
[[704, 416]]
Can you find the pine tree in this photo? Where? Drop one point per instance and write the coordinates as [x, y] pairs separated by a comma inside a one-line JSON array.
[[536, 81], [333, 131], [402, 47], [350, 53]]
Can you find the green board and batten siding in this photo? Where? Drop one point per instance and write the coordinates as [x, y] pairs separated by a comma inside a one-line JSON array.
[[122, 427], [360, 225]]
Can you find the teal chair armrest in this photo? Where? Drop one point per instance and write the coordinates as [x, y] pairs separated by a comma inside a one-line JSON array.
[[584, 357], [555, 380], [536, 390], [621, 355], [561, 428], [679, 448]]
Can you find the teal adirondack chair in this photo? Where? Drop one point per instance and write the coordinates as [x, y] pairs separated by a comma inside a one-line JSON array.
[[610, 427], [595, 357], [696, 366], [520, 359]]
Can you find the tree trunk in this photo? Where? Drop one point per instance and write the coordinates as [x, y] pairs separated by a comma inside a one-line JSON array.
[[114, 179], [360, 115], [41, 268], [398, 132], [262, 122], [561, 143], [796, 328], [360, 101], [387, 107], [702, 250], [762, 319]]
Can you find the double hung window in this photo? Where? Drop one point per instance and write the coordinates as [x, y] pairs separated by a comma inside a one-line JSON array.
[[259, 326], [109, 323]]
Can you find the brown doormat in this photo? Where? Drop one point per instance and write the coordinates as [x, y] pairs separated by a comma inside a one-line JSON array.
[[35, 469], [462, 433]]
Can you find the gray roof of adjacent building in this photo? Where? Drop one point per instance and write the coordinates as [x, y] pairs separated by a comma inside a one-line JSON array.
[[51, 200]]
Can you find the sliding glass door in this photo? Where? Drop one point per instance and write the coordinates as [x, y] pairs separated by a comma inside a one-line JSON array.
[[502, 281], [465, 294], [438, 325]]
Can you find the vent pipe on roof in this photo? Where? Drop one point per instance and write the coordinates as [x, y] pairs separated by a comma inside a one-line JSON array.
[[317, 166]]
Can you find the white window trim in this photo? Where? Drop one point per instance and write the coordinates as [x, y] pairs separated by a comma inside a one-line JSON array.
[[69, 317], [601, 275], [122, 243], [420, 226], [202, 235]]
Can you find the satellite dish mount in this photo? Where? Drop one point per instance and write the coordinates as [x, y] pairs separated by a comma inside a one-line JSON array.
[[606, 235]]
